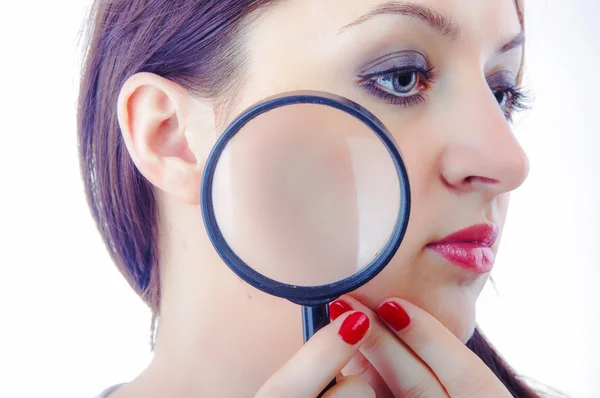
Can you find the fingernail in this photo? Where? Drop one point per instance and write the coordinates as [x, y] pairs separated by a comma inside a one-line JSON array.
[[394, 315], [337, 308], [354, 328]]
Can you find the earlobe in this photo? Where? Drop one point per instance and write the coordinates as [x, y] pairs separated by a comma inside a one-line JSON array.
[[151, 113]]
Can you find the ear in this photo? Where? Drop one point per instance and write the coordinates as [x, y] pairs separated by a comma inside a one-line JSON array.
[[152, 115]]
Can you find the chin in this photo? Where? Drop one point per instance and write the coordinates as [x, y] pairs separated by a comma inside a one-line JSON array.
[[455, 311], [460, 321]]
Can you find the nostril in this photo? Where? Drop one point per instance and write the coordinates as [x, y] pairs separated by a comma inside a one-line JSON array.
[[482, 180]]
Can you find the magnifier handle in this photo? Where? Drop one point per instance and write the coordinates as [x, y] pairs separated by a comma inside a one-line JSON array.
[[314, 319]]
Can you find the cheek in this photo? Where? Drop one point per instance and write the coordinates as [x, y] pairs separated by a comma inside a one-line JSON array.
[[503, 201], [303, 197], [282, 215], [500, 209]]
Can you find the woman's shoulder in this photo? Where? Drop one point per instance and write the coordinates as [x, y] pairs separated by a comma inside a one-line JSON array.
[[106, 393]]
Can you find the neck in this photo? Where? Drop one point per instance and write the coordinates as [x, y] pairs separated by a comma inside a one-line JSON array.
[[217, 336]]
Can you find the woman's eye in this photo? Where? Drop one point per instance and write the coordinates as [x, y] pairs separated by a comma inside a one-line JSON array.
[[511, 100], [399, 83], [404, 85], [502, 98]]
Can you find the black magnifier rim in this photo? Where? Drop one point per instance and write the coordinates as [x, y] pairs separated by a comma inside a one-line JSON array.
[[305, 295]]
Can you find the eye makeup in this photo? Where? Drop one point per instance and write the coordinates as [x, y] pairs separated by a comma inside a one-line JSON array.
[[403, 78], [395, 60]]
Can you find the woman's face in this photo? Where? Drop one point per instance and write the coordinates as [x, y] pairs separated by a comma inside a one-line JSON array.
[[439, 74]]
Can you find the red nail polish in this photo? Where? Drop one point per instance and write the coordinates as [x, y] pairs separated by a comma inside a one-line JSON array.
[[354, 328], [337, 308], [394, 315]]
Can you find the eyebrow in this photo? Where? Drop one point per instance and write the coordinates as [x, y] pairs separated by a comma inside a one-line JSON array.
[[436, 20], [517, 41]]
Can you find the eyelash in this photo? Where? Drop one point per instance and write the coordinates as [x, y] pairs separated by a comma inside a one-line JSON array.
[[518, 98]]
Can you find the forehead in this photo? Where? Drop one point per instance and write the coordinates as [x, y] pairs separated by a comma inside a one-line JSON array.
[[487, 20]]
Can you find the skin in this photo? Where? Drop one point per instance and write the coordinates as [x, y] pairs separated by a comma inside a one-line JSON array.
[[217, 334]]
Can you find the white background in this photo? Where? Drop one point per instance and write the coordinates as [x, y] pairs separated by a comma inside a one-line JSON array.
[[69, 325]]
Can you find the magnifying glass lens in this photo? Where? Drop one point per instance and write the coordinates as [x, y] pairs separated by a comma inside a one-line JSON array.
[[306, 194]]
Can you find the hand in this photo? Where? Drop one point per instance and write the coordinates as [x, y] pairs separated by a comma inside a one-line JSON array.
[[320, 360], [409, 353]]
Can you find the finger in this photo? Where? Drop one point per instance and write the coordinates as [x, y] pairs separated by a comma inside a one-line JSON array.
[[361, 367], [313, 367], [460, 371], [403, 372], [351, 387]]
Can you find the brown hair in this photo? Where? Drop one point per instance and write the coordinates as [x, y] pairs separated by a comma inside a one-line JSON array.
[[184, 41]]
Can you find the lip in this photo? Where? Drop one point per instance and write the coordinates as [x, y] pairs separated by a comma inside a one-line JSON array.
[[469, 248]]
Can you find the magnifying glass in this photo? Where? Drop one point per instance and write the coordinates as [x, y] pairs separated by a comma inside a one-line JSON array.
[[305, 196]]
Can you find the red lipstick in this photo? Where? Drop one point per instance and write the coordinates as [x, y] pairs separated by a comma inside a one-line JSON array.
[[469, 248]]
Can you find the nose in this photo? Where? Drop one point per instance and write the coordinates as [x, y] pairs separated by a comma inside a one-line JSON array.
[[481, 153]]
